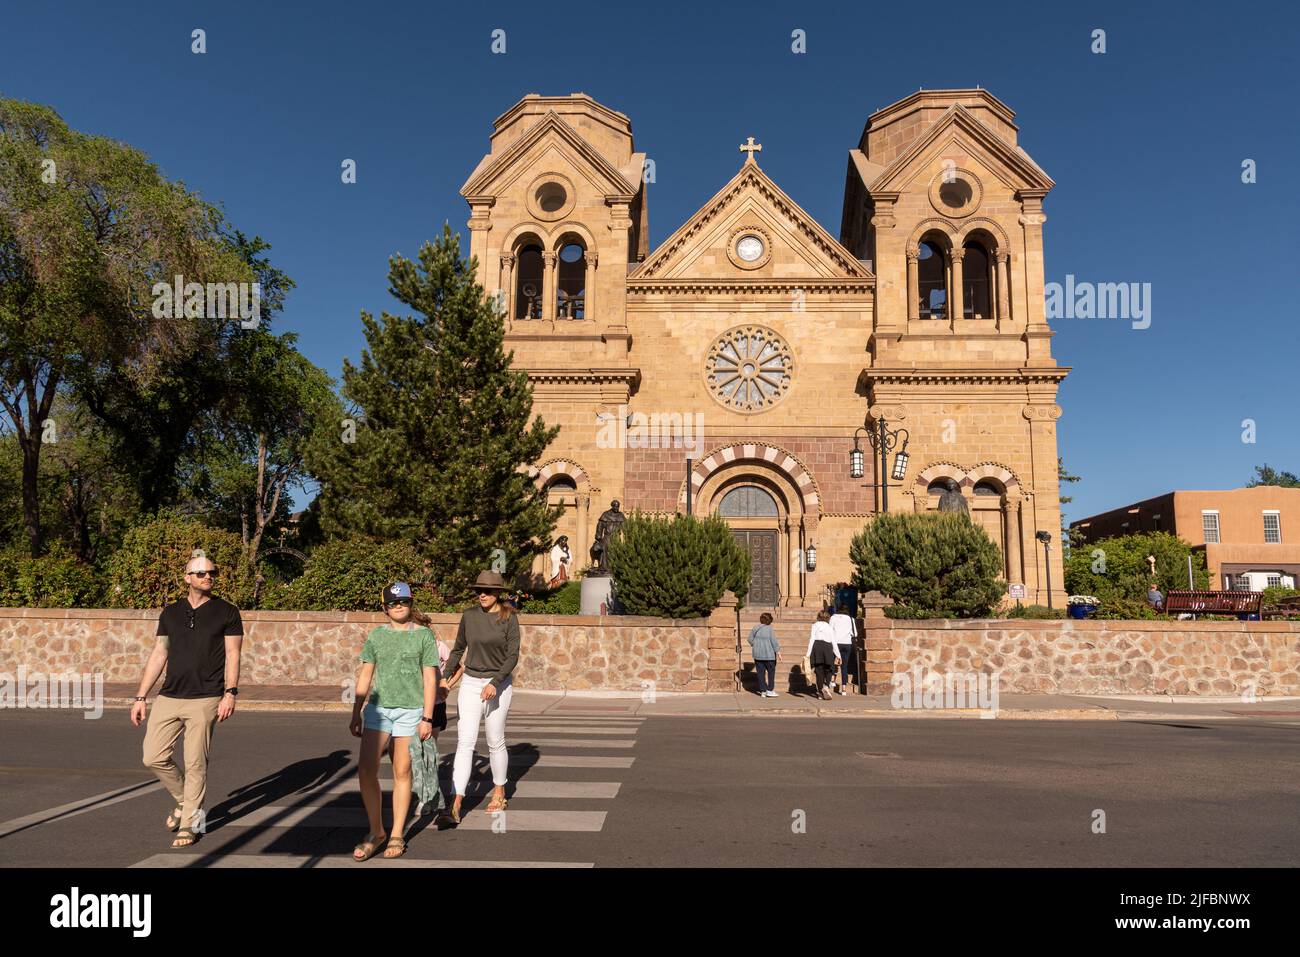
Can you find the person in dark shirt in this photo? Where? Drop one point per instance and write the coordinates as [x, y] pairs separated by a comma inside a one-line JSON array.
[[487, 645], [199, 638]]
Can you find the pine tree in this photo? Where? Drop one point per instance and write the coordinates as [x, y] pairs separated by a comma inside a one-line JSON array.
[[442, 433], [676, 567]]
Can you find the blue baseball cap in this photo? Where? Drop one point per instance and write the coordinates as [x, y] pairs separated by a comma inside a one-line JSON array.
[[396, 592]]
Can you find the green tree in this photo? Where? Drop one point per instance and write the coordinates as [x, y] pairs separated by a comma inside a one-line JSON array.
[[1267, 475], [676, 567], [936, 564], [148, 571], [1116, 569], [87, 226], [350, 574], [443, 436]]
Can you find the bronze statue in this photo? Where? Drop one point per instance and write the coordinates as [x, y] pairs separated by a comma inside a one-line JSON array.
[[607, 526], [953, 501]]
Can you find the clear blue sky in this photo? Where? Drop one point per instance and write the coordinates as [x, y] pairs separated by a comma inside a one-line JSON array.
[[1145, 143]]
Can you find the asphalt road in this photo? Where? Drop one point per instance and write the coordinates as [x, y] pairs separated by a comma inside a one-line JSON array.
[[613, 790]]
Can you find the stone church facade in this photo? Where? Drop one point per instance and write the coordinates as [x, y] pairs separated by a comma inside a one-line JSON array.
[[729, 368]]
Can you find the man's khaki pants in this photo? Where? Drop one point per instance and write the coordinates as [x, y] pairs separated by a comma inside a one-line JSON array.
[[170, 718]]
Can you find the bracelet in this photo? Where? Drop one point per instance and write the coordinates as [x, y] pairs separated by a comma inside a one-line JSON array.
[[142, 698], [426, 720]]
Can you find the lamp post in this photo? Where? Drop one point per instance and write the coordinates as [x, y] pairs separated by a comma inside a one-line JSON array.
[[882, 441], [1046, 539]]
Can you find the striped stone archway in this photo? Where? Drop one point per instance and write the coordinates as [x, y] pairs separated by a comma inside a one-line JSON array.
[[776, 457], [576, 524]]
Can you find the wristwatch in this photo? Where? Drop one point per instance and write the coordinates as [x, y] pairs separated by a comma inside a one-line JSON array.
[[141, 698], [426, 718], [234, 691]]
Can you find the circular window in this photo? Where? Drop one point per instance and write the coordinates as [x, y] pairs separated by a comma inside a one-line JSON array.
[[749, 369], [749, 247], [550, 197], [571, 253], [956, 192]]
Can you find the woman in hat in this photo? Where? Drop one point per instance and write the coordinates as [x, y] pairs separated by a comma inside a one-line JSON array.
[[398, 683], [488, 641]]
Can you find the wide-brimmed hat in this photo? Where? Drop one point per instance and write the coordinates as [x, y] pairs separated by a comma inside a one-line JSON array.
[[489, 581]]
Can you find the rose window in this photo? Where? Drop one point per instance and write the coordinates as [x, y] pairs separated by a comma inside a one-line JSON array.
[[749, 369]]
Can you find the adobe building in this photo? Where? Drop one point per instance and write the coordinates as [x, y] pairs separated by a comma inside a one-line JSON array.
[[1250, 536], [728, 369]]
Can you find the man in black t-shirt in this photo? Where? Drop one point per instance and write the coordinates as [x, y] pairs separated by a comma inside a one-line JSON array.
[[199, 638]]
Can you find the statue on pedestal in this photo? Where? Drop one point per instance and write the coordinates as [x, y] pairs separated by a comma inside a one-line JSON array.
[[607, 526]]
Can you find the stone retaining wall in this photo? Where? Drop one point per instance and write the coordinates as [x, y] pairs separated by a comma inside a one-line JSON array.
[[1096, 657], [624, 653], [558, 652]]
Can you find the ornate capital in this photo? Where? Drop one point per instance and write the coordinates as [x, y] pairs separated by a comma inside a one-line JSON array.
[[507, 262], [892, 413], [548, 259], [592, 258]]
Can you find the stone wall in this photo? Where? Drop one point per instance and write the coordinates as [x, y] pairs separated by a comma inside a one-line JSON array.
[[1096, 657], [561, 652], [558, 652]]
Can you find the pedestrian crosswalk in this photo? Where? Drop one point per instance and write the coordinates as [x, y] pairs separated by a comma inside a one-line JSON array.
[[565, 772]]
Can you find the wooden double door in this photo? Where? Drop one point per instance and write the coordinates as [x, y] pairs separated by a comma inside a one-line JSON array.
[[764, 581]]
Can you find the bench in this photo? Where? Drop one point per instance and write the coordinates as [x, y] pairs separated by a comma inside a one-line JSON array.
[[1213, 602]]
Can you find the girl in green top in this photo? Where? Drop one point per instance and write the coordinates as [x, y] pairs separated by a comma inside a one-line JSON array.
[[399, 676]]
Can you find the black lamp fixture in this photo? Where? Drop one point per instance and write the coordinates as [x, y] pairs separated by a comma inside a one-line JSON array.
[[882, 441], [1046, 539]]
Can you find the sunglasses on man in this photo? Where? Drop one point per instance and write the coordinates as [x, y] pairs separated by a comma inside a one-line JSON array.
[[206, 573]]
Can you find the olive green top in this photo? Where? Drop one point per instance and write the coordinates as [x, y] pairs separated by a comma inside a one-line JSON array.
[[399, 657]]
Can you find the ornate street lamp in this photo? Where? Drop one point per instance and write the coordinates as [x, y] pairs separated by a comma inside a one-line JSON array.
[[810, 558], [1046, 539], [882, 441]]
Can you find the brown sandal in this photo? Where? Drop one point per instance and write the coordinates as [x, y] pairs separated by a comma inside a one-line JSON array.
[[394, 843], [174, 820], [497, 804], [368, 847], [184, 838]]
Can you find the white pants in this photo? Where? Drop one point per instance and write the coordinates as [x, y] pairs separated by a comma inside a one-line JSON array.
[[470, 709]]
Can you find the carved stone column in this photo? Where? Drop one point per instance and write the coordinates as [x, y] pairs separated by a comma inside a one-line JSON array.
[[508, 287], [913, 283], [955, 309], [549, 285], [589, 288], [581, 556], [1004, 288]]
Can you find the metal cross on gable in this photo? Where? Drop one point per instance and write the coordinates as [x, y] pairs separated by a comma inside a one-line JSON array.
[[751, 148]]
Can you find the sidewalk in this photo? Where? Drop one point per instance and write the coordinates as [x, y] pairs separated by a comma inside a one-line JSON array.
[[1039, 707]]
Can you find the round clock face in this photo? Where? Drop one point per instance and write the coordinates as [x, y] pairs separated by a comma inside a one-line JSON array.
[[749, 248]]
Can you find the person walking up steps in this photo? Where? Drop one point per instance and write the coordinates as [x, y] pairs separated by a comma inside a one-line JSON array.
[[822, 653], [846, 630], [767, 652], [398, 683], [488, 642]]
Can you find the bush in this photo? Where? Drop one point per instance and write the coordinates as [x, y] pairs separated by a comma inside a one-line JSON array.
[[350, 574], [1271, 596], [1128, 608], [1033, 612], [937, 561], [58, 579], [148, 571], [676, 567], [565, 600], [1116, 569]]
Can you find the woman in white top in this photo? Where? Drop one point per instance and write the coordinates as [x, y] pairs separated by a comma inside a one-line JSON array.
[[823, 654], [846, 630]]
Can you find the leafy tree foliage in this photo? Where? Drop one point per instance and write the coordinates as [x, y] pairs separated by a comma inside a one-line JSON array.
[[676, 567]]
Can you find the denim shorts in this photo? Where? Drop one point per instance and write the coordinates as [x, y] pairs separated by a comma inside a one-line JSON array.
[[399, 722]]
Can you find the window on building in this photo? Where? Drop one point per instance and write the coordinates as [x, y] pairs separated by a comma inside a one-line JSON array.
[[932, 282], [747, 501], [1155, 523], [975, 283], [571, 282], [528, 286], [986, 487], [1274, 581], [1240, 583], [1272, 527], [1210, 525]]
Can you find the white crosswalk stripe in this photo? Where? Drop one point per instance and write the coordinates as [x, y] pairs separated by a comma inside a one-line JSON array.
[[546, 743]]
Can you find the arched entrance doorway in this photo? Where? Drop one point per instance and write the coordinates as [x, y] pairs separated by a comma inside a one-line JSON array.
[[754, 517]]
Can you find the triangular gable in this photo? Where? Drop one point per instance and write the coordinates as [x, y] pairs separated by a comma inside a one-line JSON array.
[[750, 196], [484, 180], [1029, 175]]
